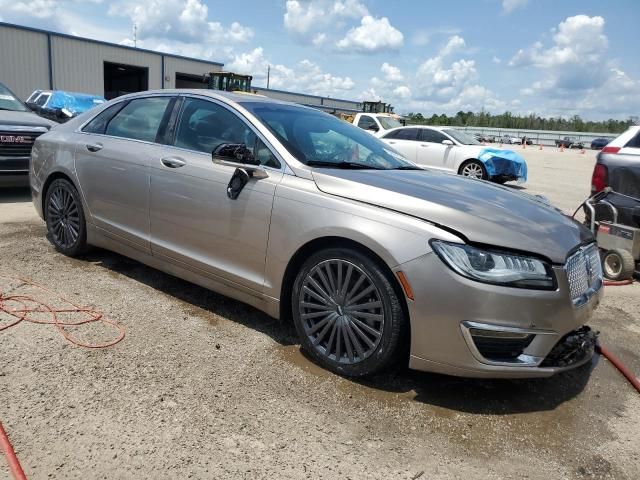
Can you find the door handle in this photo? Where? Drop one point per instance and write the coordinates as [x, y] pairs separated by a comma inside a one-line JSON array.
[[173, 162], [392, 143], [94, 147], [423, 145]]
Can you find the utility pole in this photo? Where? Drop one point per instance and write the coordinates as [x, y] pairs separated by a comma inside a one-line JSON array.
[[268, 75], [135, 35]]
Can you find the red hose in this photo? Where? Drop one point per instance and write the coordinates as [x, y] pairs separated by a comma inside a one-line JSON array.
[[12, 459], [618, 364]]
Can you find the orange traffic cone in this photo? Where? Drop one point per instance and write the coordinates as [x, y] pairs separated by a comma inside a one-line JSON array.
[[539, 146], [524, 145], [582, 150], [562, 148]]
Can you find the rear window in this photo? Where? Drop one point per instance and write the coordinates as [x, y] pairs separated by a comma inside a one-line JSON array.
[[635, 141]]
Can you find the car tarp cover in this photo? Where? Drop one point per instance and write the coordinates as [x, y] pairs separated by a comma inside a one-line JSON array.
[[504, 163], [76, 103]]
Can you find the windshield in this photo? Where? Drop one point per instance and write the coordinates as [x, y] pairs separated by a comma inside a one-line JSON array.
[[321, 140], [461, 137], [388, 122], [8, 100]]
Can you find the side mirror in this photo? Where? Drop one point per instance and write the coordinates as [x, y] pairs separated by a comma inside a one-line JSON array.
[[373, 127], [239, 156], [447, 142]]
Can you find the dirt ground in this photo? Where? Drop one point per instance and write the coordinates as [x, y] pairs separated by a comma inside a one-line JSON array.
[[206, 387]]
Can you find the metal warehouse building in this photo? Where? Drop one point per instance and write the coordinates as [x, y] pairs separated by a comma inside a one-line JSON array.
[[32, 59]]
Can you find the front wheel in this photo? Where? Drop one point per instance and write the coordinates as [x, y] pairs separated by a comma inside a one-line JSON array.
[[65, 218], [347, 313], [473, 169]]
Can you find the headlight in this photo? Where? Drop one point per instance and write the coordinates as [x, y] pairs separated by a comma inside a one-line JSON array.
[[495, 267]]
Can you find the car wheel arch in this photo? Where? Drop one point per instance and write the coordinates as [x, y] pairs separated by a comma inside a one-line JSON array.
[[50, 179], [322, 243]]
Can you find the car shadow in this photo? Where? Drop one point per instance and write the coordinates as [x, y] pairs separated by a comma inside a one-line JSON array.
[[194, 295], [482, 396], [15, 195], [487, 396]]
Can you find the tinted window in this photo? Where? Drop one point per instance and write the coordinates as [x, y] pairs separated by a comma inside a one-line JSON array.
[[140, 119], [407, 134], [100, 122], [432, 136], [634, 142], [205, 125], [366, 121], [42, 99], [8, 100]]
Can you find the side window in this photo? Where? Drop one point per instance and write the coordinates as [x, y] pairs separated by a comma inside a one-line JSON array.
[[432, 136], [407, 134], [42, 99], [366, 121], [100, 121], [392, 135], [140, 119], [204, 125]]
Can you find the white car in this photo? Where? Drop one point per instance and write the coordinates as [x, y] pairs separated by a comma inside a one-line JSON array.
[[446, 148], [510, 139]]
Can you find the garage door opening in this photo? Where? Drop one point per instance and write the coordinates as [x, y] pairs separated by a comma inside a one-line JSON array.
[[187, 80], [121, 79]]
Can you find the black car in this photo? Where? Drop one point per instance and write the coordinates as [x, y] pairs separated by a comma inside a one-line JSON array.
[[19, 128], [599, 143]]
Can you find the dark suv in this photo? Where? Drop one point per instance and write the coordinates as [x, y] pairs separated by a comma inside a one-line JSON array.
[[618, 167], [19, 128]]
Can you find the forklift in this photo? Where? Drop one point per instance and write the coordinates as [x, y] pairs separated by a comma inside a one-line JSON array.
[[228, 82]]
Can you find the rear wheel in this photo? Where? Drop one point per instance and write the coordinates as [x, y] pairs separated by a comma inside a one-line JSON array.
[[65, 218], [618, 264], [473, 169], [347, 313]]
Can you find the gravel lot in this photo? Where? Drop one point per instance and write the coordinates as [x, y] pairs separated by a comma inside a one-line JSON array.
[[206, 387]]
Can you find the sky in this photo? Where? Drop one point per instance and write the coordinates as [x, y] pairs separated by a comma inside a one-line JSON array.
[[549, 57]]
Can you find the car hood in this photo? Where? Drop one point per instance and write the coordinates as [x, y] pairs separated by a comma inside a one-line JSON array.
[[478, 211], [27, 119]]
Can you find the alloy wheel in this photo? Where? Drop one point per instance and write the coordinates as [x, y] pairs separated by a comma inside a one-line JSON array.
[[342, 311], [64, 217], [612, 265], [472, 170]]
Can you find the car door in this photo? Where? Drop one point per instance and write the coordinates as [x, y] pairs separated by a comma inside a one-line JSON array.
[[369, 123], [432, 152], [405, 141], [113, 156], [193, 222]]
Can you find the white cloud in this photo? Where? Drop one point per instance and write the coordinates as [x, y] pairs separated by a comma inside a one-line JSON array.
[[454, 44], [509, 6], [391, 73], [576, 73], [305, 77], [496, 60], [373, 35], [307, 19]]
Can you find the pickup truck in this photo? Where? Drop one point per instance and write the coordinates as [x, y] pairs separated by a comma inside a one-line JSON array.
[[569, 142], [376, 123]]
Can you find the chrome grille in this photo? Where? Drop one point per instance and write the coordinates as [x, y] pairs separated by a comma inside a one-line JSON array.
[[584, 273], [17, 143]]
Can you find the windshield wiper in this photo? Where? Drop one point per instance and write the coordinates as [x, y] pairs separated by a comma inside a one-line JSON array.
[[345, 165], [407, 167]]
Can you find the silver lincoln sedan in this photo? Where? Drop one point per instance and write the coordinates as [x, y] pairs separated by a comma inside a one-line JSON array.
[[313, 220]]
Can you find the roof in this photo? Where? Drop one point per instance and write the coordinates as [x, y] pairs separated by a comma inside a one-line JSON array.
[[110, 44]]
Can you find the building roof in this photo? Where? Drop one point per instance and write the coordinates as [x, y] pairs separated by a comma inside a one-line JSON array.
[[100, 42]]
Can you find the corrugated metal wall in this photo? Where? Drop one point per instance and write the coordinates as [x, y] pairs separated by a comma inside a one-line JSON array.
[[173, 65], [78, 66], [24, 65], [312, 100]]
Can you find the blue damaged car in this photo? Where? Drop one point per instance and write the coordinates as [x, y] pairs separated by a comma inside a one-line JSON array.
[[60, 105], [446, 148]]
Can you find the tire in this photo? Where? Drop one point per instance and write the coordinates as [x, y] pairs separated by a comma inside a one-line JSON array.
[[347, 340], [618, 264], [473, 169], [65, 218]]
